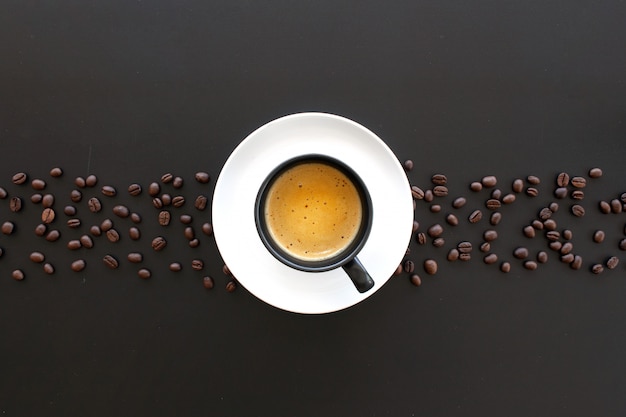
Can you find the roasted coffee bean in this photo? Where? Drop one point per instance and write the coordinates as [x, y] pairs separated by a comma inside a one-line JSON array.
[[430, 266], [231, 286], [453, 254], [177, 182], [80, 182], [464, 247], [562, 180], [530, 265], [577, 195], [491, 258], [207, 282], [489, 181], [465, 256], [178, 201], [505, 267], [595, 173], [421, 238], [605, 207], [69, 210], [159, 243], [108, 191], [20, 178], [532, 192], [476, 186], [76, 196], [3, 193], [164, 218], [417, 192], [154, 189], [197, 265], [121, 211], [542, 257], [622, 244], [518, 185], [578, 182], [135, 257], [566, 248], [134, 189], [110, 261], [459, 202], [166, 199], [37, 257], [167, 178], [533, 179], [56, 172], [134, 233], [616, 206], [435, 230], [622, 197], [520, 253], [176, 267], [194, 243], [189, 233], [568, 258], [408, 165], [577, 262], [73, 223], [38, 184], [53, 235], [495, 218], [439, 242], [8, 227], [95, 230], [15, 204], [86, 241], [612, 262], [41, 229], [186, 219], [567, 234], [485, 247], [493, 204], [45, 200], [201, 202], [554, 207], [204, 177], [144, 273], [496, 194], [598, 236], [74, 244], [106, 225], [48, 268], [508, 199], [416, 226], [545, 213], [537, 224], [490, 235], [549, 224], [597, 269], [428, 196], [475, 216], [452, 220], [94, 205], [435, 208], [135, 218], [578, 210], [553, 235], [91, 180], [47, 215], [440, 191], [18, 275], [560, 192], [529, 231], [409, 266], [78, 265], [439, 179], [113, 235], [157, 203]]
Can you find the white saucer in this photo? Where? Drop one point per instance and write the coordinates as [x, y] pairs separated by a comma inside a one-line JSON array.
[[253, 160]]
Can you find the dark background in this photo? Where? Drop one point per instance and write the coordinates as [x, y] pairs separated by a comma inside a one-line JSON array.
[[129, 90]]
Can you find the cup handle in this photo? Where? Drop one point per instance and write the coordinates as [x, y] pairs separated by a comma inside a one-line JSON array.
[[359, 276]]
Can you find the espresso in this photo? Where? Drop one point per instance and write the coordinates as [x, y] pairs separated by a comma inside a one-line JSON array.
[[313, 211]]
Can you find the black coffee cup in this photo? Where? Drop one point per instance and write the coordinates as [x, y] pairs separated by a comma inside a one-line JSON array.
[[323, 219]]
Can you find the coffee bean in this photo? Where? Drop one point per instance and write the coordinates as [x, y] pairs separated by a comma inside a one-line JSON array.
[[113, 235], [529, 231], [496, 194], [566, 248], [36, 198], [568, 258], [489, 181], [231, 286], [73, 223], [430, 266], [76, 196], [56, 172], [110, 261], [167, 178], [135, 257], [194, 243], [409, 266], [545, 213], [537, 224], [577, 262], [135, 218], [204, 177], [37, 257], [452, 220], [20, 178], [439, 179], [532, 192], [533, 179], [459, 202], [518, 185], [86, 241], [577, 195], [157, 203], [476, 186], [108, 191], [80, 182], [94, 205], [166, 199], [595, 173], [435, 208], [598, 236], [53, 235], [453, 254], [134, 189], [421, 238], [154, 189], [185, 219], [597, 269], [549, 224], [38, 184], [74, 244], [495, 218], [91, 180], [491, 258], [95, 230], [554, 207], [226, 270], [18, 275], [475, 216], [15, 204], [176, 267], [78, 265], [578, 210], [177, 182], [47, 215], [144, 273], [8, 228], [440, 191], [121, 211], [505, 267], [520, 253], [408, 165], [508, 199], [41, 229], [560, 192], [578, 182], [464, 247], [605, 207], [616, 206], [189, 233], [417, 193], [178, 201], [106, 225], [201, 202], [562, 180], [439, 242], [542, 257], [622, 244], [555, 245], [3, 193], [207, 282], [567, 234], [612, 262], [490, 235], [48, 268], [428, 196], [159, 243], [465, 256], [485, 247], [69, 210], [530, 265], [553, 235], [435, 230], [622, 198], [134, 233], [493, 204]]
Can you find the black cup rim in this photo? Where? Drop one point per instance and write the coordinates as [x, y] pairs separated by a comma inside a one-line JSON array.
[[336, 261]]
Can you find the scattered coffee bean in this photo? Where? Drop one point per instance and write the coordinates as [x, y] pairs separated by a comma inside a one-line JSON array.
[[69, 210], [207, 282], [86, 241], [465, 256], [553, 235], [399, 270], [186, 219], [194, 243], [452, 220], [48, 268], [562, 180], [76, 196], [577, 262], [622, 244], [505, 267], [518, 185], [567, 234], [612, 262], [78, 265], [430, 266], [110, 261], [555, 245], [20, 178], [566, 248], [417, 192], [74, 244], [37, 257], [491, 258], [204, 177], [108, 191], [549, 224], [47, 215], [135, 257], [496, 194], [167, 178], [178, 201], [598, 236], [490, 235], [91, 180], [464, 247], [493, 204], [537, 224], [166, 199], [95, 230], [121, 211], [41, 229], [475, 216], [201, 202], [144, 273], [529, 231], [439, 179], [189, 233], [408, 165], [134, 233], [36, 198], [435, 230], [134, 189], [73, 223], [530, 265], [578, 210], [597, 269], [421, 238], [135, 218], [157, 203], [605, 207], [38, 184], [15, 204], [542, 257], [164, 218], [622, 198], [568, 258], [439, 242], [80, 182], [459, 202], [416, 226], [545, 213], [154, 189], [595, 173], [485, 247], [533, 179], [176, 267], [177, 182], [53, 235], [56, 172], [508, 199], [231, 286], [429, 196], [578, 195], [476, 186], [8, 227], [578, 182], [94, 205], [520, 253], [3, 193], [616, 206], [409, 267], [560, 192], [453, 254], [113, 235], [554, 207], [532, 192], [495, 218], [440, 191], [489, 181], [18, 275], [106, 225], [159, 243]]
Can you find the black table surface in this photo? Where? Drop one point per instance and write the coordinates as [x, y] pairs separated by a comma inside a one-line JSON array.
[[130, 90]]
